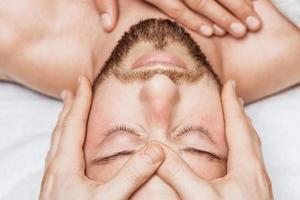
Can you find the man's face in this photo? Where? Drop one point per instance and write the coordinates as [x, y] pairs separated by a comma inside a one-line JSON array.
[[157, 85]]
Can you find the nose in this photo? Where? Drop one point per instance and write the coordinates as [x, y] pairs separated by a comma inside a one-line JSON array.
[[159, 96]]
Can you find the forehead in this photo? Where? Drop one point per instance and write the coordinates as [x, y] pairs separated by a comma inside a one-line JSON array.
[[116, 102]]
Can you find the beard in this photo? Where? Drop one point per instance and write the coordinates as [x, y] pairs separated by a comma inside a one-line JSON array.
[[160, 33]]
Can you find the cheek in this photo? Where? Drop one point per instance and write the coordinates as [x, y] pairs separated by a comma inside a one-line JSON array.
[[104, 173], [216, 123], [206, 167]]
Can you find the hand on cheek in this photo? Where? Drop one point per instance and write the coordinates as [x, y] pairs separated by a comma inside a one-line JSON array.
[[246, 175]]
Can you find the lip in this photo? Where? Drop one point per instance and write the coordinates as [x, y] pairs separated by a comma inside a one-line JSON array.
[[160, 57]]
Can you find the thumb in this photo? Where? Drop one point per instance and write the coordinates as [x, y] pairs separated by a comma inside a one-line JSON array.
[[178, 174], [108, 10], [135, 172]]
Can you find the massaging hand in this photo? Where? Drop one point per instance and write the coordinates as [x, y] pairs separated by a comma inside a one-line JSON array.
[[246, 175], [64, 171], [207, 17]]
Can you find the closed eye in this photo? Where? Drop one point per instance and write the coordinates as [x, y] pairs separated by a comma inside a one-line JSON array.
[[190, 128], [198, 151], [107, 159]]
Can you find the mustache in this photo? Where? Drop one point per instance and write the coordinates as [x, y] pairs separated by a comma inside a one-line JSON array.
[[160, 33], [177, 77]]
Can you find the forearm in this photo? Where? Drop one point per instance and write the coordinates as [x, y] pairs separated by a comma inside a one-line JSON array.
[[266, 62]]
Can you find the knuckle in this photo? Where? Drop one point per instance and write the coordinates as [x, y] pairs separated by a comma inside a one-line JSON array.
[[198, 4], [133, 175], [226, 21], [242, 9], [264, 184], [175, 10], [56, 167], [174, 168], [74, 118], [53, 168], [254, 168], [263, 178]]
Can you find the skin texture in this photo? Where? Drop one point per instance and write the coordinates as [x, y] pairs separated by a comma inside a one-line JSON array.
[[55, 47], [65, 179], [64, 170], [157, 109]]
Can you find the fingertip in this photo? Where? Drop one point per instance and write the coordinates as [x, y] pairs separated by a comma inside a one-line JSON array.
[[108, 14], [153, 153], [106, 21], [228, 91], [83, 84], [206, 30], [253, 23], [238, 30]]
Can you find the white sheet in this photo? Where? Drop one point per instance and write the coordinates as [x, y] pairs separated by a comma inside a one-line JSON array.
[[27, 119], [290, 8]]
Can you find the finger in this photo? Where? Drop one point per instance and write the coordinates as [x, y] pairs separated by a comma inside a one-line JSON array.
[[181, 13], [133, 174], [67, 97], [74, 126], [243, 11], [108, 13], [220, 16], [243, 142], [177, 174], [219, 31]]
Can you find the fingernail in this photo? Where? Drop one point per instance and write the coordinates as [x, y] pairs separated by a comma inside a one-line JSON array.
[[63, 94], [106, 20], [233, 84], [206, 30], [153, 153], [218, 30], [252, 22], [238, 28], [242, 102]]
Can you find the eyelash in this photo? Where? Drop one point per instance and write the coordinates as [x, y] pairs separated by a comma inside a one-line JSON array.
[[185, 130], [211, 155], [123, 127]]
